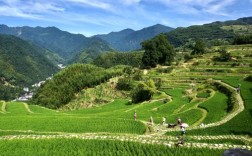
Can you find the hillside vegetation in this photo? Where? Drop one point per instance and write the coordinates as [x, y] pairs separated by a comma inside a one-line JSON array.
[[190, 90], [92, 52], [111, 59], [63, 43], [64, 85], [21, 64], [217, 31]]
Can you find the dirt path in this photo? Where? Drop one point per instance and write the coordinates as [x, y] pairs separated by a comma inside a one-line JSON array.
[[3, 107], [237, 109], [204, 112], [27, 108], [169, 141], [157, 137]]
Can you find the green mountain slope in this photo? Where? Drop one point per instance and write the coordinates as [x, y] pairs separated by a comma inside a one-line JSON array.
[[128, 39], [21, 63], [216, 30], [89, 54], [62, 88], [63, 43]]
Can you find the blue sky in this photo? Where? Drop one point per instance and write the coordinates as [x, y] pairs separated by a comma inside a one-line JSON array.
[[90, 17]]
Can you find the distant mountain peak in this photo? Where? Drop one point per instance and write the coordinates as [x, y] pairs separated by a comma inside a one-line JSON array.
[[128, 39]]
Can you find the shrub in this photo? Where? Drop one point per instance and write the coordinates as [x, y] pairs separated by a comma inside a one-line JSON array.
[[124, 84], [138, 75], [141, 95], [165, 70], [143, 92], [248, 78], [187, 57]]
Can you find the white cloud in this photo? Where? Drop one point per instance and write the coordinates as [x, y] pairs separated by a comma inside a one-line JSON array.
[[219, 8], [130, 2], [28, 9], [14, 12], [197, 6], [93, 3]]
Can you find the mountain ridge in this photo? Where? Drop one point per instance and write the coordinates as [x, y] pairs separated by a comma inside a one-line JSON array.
[[64, 43], [129, 39]]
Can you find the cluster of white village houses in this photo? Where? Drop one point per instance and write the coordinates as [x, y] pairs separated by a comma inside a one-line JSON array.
[[28, 93]]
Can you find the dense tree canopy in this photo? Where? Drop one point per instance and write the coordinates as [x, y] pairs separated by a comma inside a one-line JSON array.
[[111, 59], [243, 39], [199, 47], [21, 65], [157, 51], [64, 85]]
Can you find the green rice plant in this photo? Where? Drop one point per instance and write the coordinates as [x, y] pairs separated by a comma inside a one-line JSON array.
[[71, 124], [203, 95], [240, 124], [203, 139], [38, 110], [216, 107], [16, 108], [95, 147]]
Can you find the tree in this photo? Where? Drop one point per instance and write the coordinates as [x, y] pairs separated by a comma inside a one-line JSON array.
[[224, 55], [157, 51], [144, 91], [242, 39], [199, 47], [141, 93], [138, 75], [124, 84], [150, 56], [128, 70]]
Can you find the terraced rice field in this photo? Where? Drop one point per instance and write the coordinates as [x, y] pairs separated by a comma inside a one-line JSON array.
[[110, 128]]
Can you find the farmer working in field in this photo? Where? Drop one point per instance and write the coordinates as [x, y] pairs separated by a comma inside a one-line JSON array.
[[151, 120], [164, 120], [179, 121]]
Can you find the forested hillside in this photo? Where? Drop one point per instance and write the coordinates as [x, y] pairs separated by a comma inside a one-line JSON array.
[[224, 31], [21, 64], [91, 53], [63, 43], [128, 39], [111, 59], [58, 91]]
